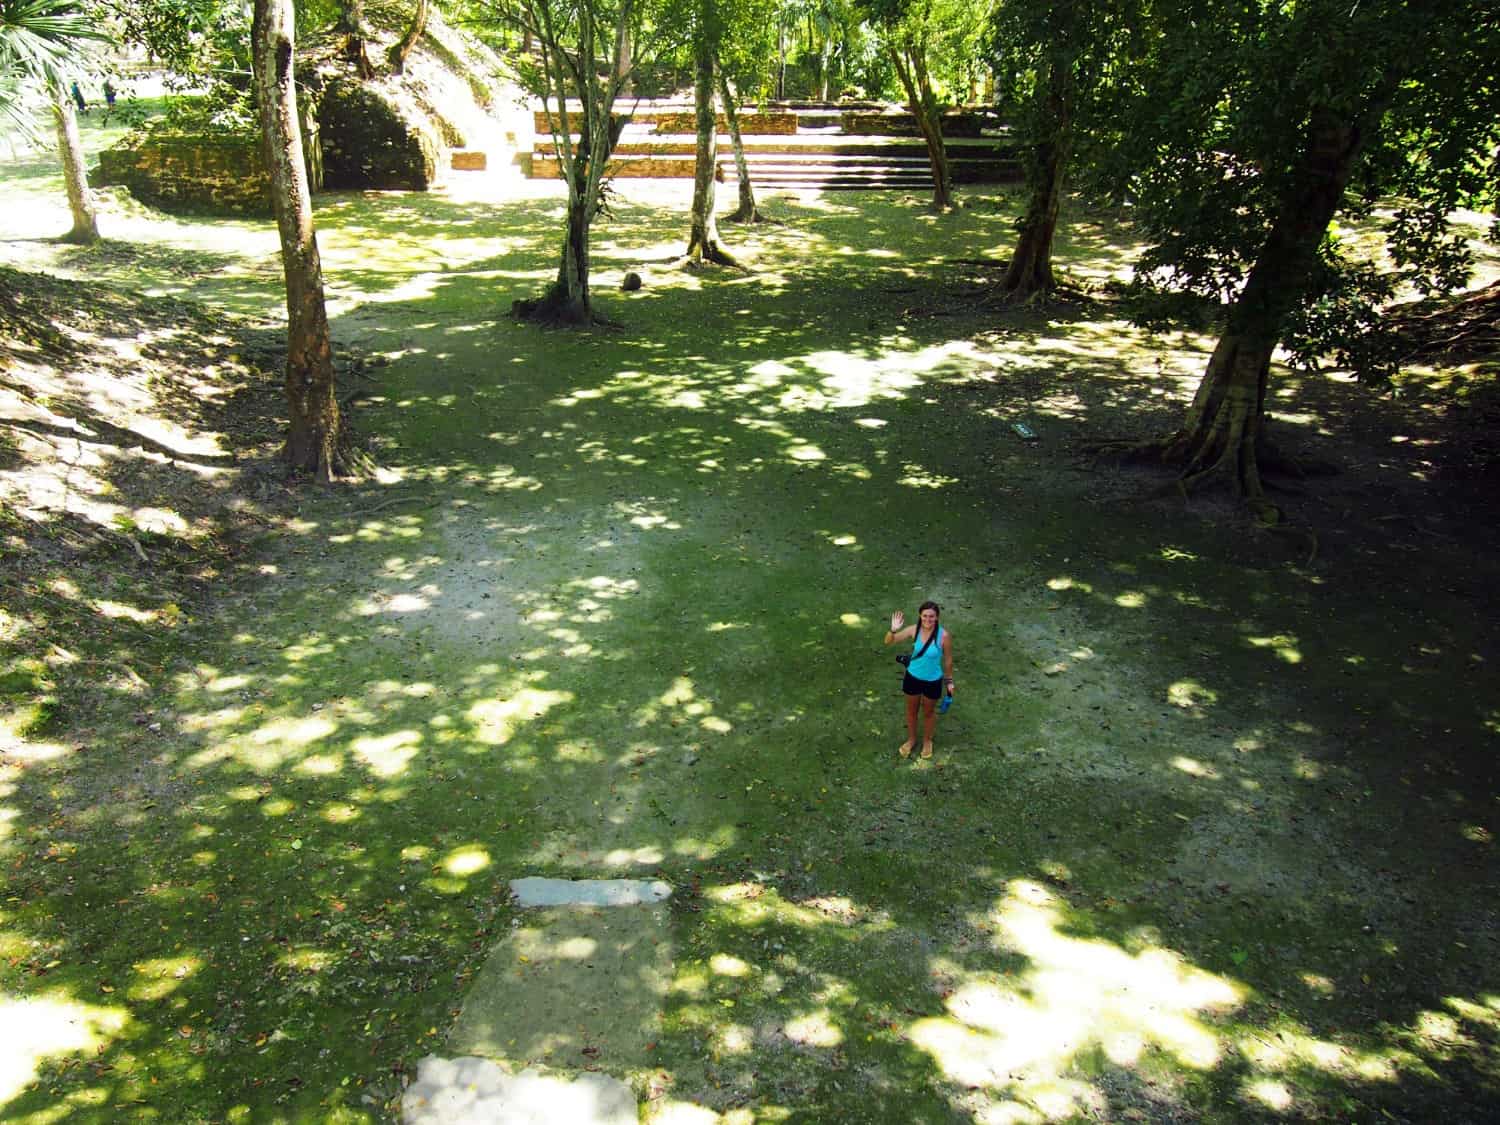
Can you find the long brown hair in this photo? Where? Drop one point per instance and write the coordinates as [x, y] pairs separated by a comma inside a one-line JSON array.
[[936, 609]]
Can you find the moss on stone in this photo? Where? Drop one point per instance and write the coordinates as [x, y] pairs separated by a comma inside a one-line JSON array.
[[370, 142]]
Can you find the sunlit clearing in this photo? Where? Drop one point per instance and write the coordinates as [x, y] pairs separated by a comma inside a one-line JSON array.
[[1283, 645], [734, 1040], [320, 765], [694, 847], [1020, 1037], [536, 944], [466, 860], [1131, 599], [687, 1113], [654, 521], [1196, 769], [634, 857], [844, 540], [397, 603], [815, 1029], [805, 452], [1438, 1027], [306, 960], [160, 976], [117, 610], [388, 755], [1177, 554], [914, 476], [1289, 1050], [1065, 582], [496, 720], [727, 966], [294, 732], [32, 1029], [1306, 769], [1189, 694], [1271, 1094], [19, 750], [679, 693], [853, 620], [1488, 1015]]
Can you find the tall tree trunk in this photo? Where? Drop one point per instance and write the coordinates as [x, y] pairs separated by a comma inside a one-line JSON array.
[[315, 438], [1030, 269], [352, 25], [569, 301], [703, 237], [911, 68], [624, 62], [85, 230], [1224, 427], [747, 212], [402, 48], [781, 59], [568, 68]]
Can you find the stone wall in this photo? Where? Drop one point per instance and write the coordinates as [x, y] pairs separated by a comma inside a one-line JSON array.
[[372, 139], [195, 172], [751, 124]]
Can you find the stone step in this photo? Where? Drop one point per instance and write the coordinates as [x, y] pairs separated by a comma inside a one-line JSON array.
[[807, 171], [801, 145]]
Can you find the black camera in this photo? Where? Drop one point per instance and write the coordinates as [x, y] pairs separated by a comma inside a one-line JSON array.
[[903, 658]]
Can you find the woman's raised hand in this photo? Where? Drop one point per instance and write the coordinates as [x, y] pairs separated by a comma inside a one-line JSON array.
[[898, 619]]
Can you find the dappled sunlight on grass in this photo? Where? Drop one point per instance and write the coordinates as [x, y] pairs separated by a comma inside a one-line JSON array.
[[1020, 1035], [497, 720], [613, 606], [43, 1026]]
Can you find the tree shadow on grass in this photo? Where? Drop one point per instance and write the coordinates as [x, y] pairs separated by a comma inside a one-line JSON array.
[[622, 616]]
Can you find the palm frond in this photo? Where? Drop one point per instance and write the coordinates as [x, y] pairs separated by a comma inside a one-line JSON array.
[[44, 38]]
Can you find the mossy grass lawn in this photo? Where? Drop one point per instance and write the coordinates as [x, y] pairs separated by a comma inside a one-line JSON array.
[[1208, 833]]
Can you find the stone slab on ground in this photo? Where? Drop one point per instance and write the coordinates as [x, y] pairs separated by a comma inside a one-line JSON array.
[[572, 987], [536, 891], [473, 1091]]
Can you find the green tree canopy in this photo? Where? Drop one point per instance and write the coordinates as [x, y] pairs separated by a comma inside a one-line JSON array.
[[1254, 126]]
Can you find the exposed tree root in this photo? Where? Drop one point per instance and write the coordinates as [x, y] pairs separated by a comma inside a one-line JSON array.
[[1232, 467], [756, 215], [704, 259], [1455, 330], [553, 311], [1056, 294]]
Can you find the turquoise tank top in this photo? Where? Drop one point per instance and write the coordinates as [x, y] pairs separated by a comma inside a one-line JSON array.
[[929, 666]]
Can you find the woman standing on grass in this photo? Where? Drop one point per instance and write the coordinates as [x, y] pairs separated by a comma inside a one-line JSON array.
[[929, 671]]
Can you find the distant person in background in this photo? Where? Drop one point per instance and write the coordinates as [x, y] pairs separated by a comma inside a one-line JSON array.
[[83, 106], [109, 94]]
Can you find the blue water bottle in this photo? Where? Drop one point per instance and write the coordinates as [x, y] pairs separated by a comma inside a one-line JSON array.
[[945, 703]]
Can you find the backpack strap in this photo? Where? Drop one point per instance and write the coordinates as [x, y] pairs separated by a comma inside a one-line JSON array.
[[930, 638]]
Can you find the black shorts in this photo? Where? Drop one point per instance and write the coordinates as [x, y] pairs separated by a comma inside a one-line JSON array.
[[932, 689]]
